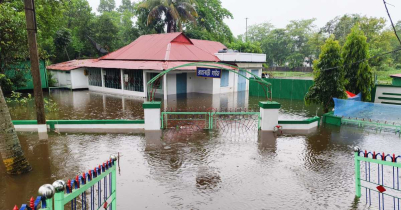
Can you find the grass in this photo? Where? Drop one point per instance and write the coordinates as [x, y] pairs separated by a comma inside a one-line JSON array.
[[290, 74], [383, 77]]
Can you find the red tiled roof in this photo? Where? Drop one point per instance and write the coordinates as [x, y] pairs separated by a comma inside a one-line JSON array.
[[396, 75], [147, 65], [70, 65], [153, 52], [167, 47]]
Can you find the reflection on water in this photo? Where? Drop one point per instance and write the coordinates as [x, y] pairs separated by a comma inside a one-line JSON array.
[[92, 105], [202, 170]]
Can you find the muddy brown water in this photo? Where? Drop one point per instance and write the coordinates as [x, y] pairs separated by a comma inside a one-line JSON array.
[[206, 170]]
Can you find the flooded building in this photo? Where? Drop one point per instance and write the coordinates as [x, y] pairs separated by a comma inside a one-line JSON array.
[[128, 70]]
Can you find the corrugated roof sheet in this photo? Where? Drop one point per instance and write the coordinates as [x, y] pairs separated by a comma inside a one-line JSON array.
[[152, 52], [147, 65], [167, 47], [70, 65], [396, 75]]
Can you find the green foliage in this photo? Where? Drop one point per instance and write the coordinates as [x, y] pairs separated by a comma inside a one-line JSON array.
[[50, 79], [358, 74], [276, 46], [174, 13], [5, 84], [106, 6], [210, 22], [106, 30], [246, 47], [328, 84], [17, 97], [13, 42]]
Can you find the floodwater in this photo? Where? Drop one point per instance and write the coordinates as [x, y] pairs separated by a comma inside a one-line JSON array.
[[206, 170]]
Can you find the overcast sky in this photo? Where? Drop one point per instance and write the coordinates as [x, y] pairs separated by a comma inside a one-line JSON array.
[[280, 12]]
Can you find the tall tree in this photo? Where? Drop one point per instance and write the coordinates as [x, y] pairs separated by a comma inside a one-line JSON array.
[[258, 32], [13, 42], [106, 6], [10, 147], [126, 5], [357, 70], [299, 32], [106, 30], [210, 22], [328, 84], [276, 45], [340, 27], [174, 12]]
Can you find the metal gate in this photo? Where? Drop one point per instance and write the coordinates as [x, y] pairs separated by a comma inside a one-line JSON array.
[[219, 120]]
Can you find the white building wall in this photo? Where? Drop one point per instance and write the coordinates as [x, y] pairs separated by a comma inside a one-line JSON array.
[[78, 79], [197, 84], [387, 89], [63, 78], [171, 84]]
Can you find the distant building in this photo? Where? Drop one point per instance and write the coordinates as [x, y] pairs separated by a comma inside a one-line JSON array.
[[127, 70]]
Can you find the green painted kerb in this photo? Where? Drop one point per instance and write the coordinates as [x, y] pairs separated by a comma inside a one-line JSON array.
[[307, 121], [329, 118], [269, 105], [152, 105]]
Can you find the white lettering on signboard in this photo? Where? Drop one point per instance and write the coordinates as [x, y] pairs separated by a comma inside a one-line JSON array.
[[216, 73]]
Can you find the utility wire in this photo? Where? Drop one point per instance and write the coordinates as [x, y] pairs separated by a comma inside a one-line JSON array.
[[366, 59], [391, 21], [362, 60]]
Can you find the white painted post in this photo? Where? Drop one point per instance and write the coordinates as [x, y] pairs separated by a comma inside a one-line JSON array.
[[42, 128], [165, 86], [269, 114], [122, 79], [152, 115], [102, 75]]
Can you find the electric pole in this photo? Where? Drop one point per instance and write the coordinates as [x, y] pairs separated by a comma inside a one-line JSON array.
[[34, 57], [246, 30]]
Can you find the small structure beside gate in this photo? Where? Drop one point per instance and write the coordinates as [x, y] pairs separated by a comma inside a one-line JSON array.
[[95, 189]]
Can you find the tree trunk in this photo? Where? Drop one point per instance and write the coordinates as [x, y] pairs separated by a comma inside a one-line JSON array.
[[33, 54], [10, 147]]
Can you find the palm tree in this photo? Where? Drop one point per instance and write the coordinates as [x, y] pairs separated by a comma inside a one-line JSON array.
[[10, 147], [174, 12]]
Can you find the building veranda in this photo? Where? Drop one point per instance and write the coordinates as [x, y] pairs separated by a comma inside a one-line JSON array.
[[128, 70]]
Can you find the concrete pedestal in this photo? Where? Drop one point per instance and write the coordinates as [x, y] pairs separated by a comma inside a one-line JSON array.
[[152, 115], [269, 115]]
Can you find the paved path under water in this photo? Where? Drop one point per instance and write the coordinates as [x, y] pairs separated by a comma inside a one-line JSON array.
[[206, 170]]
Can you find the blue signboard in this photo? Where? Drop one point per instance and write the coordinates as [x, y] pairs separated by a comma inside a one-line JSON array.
[[208, 72]]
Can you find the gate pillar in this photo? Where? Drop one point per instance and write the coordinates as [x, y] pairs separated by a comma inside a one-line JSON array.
[[269, 115], [152, 115]]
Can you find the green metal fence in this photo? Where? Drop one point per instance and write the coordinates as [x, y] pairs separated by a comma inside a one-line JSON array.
[[95, 189], [379, 175], [25, 67], [282, 88]]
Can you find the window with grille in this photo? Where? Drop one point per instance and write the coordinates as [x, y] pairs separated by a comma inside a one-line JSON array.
[[95, 77], [159, 82], [112, 78], [133, 80]]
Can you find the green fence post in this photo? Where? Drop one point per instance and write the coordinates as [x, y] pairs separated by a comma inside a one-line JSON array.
[[161, 118], [114, 186], [59, 187], [49, 204], [357, 173]]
